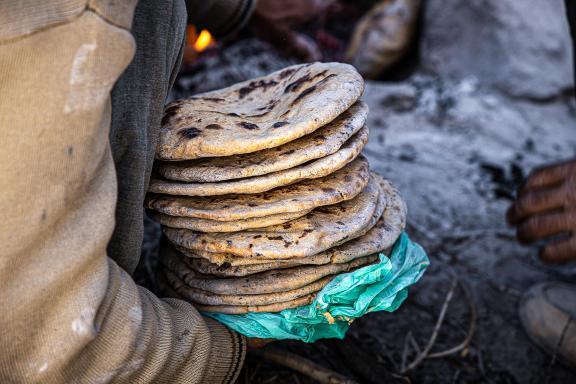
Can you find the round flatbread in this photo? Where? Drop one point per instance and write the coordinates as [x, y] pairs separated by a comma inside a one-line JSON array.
[[323, 228], [379, 239], [207, 225], [257, 114], [344, 184], [168, 291], [322, 142], [271, 308], [266, 282], [207, 298], [311, 170]]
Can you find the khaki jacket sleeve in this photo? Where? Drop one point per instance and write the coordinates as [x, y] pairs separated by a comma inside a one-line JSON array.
[[68, 314]]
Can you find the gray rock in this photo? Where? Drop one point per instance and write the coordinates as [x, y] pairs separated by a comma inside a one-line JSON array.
[[520, 46]]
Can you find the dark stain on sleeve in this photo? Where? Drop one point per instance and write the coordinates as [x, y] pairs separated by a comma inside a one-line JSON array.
[[247, 125]]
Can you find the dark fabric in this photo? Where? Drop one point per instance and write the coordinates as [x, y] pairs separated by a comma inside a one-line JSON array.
[[220, 17], [138, 100], [571, 13]]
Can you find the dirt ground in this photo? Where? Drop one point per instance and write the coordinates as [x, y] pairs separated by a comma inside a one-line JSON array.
[[457, 152]]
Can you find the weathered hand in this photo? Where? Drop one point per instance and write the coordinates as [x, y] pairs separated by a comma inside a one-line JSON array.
[[546, 207]]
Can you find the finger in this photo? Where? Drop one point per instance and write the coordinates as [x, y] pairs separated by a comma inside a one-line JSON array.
[[534, 202], [549, 175], [559, 252], [540, 227]]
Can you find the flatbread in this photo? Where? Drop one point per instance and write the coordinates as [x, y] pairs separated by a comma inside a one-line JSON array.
[[323, 228], [207, 225], [257, 114], [167, 290], [262, 283], [271, 308], [311, 170], [320, 143], [344, 184], [379, 239], [207, 298]]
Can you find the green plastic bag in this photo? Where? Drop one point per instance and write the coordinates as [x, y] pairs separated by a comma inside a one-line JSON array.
[[378, 287]]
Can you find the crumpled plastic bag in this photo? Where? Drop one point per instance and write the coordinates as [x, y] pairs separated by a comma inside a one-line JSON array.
[[377, 287]]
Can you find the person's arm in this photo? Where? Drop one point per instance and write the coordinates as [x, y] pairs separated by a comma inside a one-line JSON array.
[[68, 314]]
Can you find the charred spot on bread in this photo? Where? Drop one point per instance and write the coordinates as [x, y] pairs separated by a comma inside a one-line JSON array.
[[249, 126], [189, 133]]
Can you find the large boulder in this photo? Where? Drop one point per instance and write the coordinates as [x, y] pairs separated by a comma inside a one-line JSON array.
[[521, 47]]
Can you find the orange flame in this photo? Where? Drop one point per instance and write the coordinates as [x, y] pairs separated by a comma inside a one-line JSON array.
[[203, 41], [199, 42]]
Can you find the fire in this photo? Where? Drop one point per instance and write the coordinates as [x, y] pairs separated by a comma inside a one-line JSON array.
[[199, 42], [203, 41]]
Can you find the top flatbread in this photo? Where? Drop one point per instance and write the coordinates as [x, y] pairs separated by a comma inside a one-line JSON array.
[[257, 114], [323, 228], [322, 142]]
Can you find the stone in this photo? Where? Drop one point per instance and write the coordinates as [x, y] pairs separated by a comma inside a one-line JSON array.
[[522, 49]]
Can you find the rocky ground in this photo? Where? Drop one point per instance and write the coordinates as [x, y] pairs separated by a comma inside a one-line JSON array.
[[485, 105]]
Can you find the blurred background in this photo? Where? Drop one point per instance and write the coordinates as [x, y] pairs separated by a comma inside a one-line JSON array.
[[465, 96]]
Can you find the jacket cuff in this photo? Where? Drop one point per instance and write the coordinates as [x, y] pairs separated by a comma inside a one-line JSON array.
[[220, 17], [226, 355]]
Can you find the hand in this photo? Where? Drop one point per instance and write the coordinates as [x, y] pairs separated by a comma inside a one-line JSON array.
[[546, 207]]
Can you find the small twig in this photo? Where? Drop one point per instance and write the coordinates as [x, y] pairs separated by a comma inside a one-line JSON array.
[[421, 356], [304, 366], [471, 328], [556, 348], [415, 344], [405, 352]]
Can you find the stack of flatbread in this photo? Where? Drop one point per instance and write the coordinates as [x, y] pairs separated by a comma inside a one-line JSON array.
[[263, 193]]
